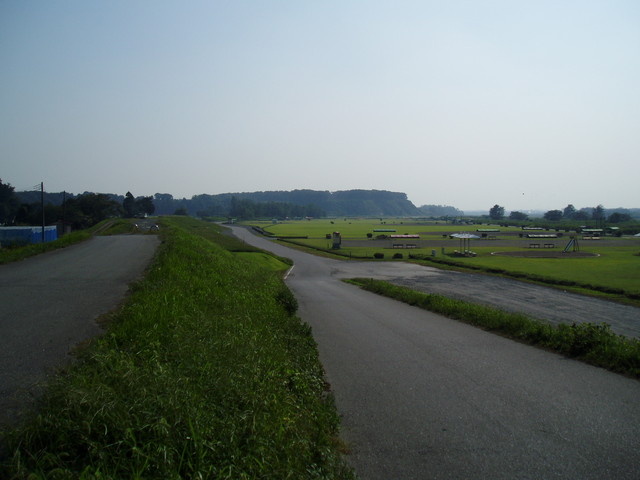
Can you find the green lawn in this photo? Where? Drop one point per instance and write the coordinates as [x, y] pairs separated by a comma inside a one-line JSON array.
[[616, 267]]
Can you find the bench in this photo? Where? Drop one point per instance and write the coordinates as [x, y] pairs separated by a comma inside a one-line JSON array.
[[534, 245], [549, 245]]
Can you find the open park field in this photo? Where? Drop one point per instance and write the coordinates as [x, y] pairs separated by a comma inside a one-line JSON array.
[[610, 264]]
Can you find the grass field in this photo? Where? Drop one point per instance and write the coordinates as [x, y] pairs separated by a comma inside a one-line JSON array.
[[205, 372], [616, 266]]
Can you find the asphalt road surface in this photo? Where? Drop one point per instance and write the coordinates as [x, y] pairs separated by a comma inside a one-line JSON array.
[[425, 397], [49, 303]]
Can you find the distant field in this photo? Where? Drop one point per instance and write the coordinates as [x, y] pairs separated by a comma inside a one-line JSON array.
[[616, 266]]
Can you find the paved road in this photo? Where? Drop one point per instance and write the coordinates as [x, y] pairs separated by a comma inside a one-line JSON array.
[[425, 397], [49, 304], [550, 304]]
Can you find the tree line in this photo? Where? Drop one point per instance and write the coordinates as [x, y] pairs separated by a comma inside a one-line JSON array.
[[76, 211], [295, 203], [87, 209], [598, 214]]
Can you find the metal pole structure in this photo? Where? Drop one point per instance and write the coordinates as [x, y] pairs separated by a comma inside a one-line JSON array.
[[42, 202]]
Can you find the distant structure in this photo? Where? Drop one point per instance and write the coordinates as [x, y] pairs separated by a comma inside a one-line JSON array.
[[337, 240], [573, 243]]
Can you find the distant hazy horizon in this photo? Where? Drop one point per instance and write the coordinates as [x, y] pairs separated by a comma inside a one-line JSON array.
[[528, 105], [470, 211]]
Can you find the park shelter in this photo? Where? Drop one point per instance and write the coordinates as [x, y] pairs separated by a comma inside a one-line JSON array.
[[25, 235], [465, 242]]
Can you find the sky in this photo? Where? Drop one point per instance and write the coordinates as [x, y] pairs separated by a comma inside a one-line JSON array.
[[531, 105]]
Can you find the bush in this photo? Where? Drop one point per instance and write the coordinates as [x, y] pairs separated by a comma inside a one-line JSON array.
[[378, 255], [397, 255], [285, 298]]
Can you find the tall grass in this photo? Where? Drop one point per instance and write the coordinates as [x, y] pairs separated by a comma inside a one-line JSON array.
[[204, 373], [592, 343]]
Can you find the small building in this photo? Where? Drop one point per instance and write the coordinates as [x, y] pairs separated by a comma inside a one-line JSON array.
[[27, 235]]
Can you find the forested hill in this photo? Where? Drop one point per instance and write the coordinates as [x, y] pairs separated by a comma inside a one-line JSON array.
[[295, 203], [317, 203]]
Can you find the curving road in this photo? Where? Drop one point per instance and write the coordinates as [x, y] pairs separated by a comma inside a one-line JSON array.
[[50, 303], [425, 397]]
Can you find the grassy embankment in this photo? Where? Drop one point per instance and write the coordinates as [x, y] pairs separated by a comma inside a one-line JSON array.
[[594, 344], [205, 372], [614, 274]]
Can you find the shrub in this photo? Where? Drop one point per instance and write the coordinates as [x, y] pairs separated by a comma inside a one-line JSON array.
[[378, 255], [285, 298], [397, 255]]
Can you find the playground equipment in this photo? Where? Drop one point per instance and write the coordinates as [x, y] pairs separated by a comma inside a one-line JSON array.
[[572, 243]]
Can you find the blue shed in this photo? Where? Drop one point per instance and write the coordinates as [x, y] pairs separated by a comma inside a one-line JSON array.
[[25, 235]]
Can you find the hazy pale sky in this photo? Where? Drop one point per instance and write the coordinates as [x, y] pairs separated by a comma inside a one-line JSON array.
[[527, 104]]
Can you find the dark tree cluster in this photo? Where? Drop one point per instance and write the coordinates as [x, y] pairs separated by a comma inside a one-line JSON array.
[[79, 212], [316, 203], [137, 207], [440, 211], [246, 209], [597, 214], [9, 204], [496, 212]]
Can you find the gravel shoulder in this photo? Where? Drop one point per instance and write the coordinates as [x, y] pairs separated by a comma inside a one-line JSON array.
[[544, 303], [539, 302]]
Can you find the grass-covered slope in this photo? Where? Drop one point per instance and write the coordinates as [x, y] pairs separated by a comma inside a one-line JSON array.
[[204, 373]]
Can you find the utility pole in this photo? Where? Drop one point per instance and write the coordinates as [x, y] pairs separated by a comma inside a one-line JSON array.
[[64, 212], [42, 202]]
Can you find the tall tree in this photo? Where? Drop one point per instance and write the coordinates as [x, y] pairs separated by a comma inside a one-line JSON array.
[[618, 217], [569, 212], [145, 205], [9, 203], [496, 212], [129, 205], [553, 215], [518, 216], [598, 215], [97, 207]]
